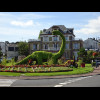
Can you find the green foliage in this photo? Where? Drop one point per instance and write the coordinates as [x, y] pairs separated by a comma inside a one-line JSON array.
[[23, 48], [86, 56], [1, 54], [58, 55], [43, 56], [60, 61], [79, 63], [40, 34], [12, 61], [34, 62], [82, 52], [4, 61]]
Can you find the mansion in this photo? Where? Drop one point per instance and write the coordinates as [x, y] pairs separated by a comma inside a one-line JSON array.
[[52, 43]]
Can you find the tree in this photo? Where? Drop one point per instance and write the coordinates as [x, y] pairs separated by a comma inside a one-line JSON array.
[[40, 33], [23, 48], [86, 56], [82, 52]]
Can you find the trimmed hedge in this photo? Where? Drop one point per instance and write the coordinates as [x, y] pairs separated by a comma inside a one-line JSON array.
[[43, 56]]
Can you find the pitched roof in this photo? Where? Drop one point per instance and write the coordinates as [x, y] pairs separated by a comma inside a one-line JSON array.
[[61, 27]]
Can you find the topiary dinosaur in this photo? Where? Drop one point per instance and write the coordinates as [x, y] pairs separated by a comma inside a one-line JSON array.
[[41, 56]]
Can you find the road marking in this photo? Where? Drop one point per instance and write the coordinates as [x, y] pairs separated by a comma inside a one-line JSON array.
[[70, 81], [6, 82], [58, 85]]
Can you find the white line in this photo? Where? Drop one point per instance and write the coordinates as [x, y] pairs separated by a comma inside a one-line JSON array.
[[62, 83], [58, 85], [70, 81], [6, 82]]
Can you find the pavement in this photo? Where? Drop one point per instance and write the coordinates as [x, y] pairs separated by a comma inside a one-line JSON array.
[[95, 72]]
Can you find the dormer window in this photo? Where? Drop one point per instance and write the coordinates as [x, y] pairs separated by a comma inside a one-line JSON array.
[[55, 28], [44, 30]]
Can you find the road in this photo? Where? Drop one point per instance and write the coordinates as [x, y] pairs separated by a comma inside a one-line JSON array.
[[88, 81]]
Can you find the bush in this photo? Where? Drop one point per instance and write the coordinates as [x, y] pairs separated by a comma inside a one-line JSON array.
[[60, 61], [4, 61], [79, 63], [12, 61]]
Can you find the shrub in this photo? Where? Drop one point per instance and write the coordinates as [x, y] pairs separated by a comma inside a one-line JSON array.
[[4, 61], [12, 61], [79, 63], [60, 61]]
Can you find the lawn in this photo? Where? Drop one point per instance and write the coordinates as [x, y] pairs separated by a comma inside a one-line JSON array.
[[78, 70]]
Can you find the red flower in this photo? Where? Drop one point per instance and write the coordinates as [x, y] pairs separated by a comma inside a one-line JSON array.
[[94, 53], [6, 70], [11, 71]]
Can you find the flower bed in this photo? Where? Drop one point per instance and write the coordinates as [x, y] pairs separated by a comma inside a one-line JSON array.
[[34, 68]]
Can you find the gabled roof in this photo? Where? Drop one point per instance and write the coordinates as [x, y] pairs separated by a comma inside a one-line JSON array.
[[62, 28]]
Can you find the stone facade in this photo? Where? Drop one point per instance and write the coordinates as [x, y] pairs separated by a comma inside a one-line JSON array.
[[52, 43]]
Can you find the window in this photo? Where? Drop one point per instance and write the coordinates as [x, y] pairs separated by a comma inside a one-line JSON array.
[[10, 48], [41, 38], [67, 45], [70, 37], [55, 38], [55, 45], [16, 48], [76, 46], [45, 38], [34, 46], [46, 46], [66, 37], [50, 38]]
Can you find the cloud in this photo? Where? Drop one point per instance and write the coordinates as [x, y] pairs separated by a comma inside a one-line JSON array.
[[93, 27], [20, 23], [15, 25], [16, 34]]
